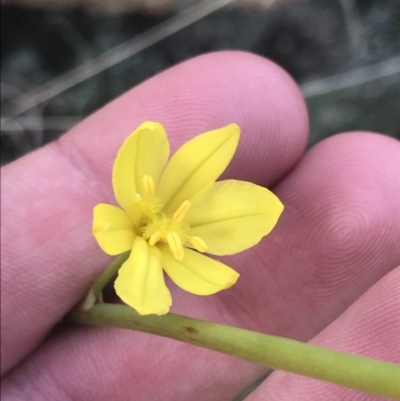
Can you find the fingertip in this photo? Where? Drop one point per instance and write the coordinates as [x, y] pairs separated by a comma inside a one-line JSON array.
[[352, 154], [364, 140], [205, 93]]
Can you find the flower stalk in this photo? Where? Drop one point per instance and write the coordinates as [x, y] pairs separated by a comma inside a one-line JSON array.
[[108, 274], [352, 371], [95, 294]]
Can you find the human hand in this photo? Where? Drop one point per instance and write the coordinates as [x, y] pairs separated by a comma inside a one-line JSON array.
[[329, 264]]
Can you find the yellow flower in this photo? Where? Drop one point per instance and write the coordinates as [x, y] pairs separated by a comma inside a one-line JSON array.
[[172, 213]]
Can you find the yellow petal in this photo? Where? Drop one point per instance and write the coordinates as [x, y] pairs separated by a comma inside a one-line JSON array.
[[197, 273], [196, 164], [144, 153], [112, 228], [140, 282], [233, 216]]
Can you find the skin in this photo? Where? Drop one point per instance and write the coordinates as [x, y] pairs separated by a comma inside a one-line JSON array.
[[327, 273]]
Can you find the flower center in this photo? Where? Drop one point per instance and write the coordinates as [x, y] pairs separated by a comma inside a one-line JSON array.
[[160, 227]]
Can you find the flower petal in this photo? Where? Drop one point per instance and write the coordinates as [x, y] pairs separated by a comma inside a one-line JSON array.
[[145, 152], [112, 228], [197, 273], [140, 282], [233, 216], [196, 164]]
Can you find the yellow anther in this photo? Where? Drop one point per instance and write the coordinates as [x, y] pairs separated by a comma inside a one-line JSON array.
[[154, 238], [180, 213], [148, 185], [198, 244], [175, 244]]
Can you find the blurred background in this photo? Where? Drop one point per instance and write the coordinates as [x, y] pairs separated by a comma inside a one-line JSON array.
[[63, 59]]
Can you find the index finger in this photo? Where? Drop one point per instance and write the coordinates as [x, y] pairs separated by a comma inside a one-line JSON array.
[[49, 257]]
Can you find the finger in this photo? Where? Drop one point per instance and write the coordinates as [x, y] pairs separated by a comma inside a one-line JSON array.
[[330, 246], [49, 258], [340, 228], [339, 233], [370, 327]]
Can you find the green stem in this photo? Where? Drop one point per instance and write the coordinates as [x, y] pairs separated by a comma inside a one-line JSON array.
[[356, 372], [95, 293], [108, 274]]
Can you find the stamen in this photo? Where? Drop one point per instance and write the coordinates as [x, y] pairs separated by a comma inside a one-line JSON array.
[[154, 238], [148, 185], [145, 209], [180, 214], [175, 244], [198, 244]]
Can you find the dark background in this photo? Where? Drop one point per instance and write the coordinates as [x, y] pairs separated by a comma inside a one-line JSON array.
[[346, 59]]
